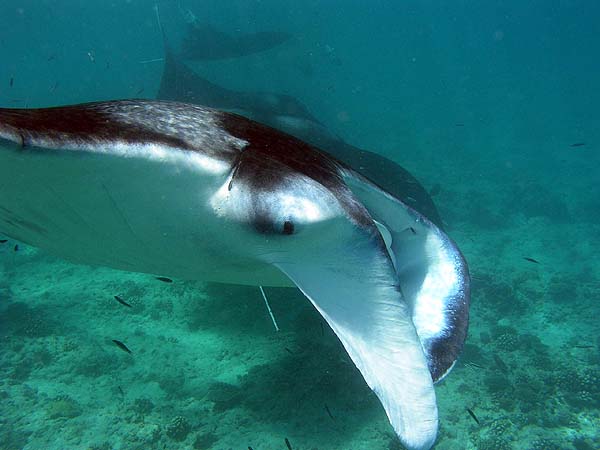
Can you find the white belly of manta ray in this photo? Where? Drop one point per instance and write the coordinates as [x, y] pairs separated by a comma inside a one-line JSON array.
[[196, 193]]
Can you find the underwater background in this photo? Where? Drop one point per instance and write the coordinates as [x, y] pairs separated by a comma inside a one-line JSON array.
[[493, 106]]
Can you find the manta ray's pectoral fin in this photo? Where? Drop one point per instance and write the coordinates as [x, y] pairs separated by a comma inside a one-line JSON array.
[[346, 273], [432, 272]]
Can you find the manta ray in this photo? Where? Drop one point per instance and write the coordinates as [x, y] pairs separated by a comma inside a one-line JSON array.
[[203, 41], [287, 114], [201, 194]]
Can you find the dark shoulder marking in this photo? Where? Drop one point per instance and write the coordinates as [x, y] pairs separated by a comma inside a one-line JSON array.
[[271, 153]]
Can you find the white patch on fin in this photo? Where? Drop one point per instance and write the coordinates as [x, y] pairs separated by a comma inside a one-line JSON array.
[[433, 274]]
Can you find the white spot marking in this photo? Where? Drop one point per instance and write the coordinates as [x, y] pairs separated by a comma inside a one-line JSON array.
[[440, 283]]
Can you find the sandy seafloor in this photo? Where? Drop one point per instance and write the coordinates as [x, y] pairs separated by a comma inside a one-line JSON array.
[[484, 118]]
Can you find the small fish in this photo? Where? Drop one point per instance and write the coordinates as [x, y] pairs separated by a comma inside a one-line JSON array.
[[122, 346], [139, 91], [410, 230], [164, 279], [535, 261], [3, 241], [250, 448], [146, 61], [54, 86], [11, 82], [287, 442], [472, 414], [459, 124], [16, 249], [329, 412], [121, 391], [51, 57], [322, 329], [91, 56], [578, 144], [472, 364], [122, 302], [289, 351], [501, 364]]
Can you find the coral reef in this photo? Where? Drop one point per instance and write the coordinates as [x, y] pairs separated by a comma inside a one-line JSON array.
[[63, 407], [178, 429]]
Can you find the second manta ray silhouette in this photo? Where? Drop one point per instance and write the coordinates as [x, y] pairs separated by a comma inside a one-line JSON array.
[[201, 194], [202, 41]]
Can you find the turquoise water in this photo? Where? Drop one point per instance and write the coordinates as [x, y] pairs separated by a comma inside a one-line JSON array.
[[482, 102]]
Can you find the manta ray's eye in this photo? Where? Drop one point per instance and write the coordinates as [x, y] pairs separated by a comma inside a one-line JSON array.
[[288, 227]]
